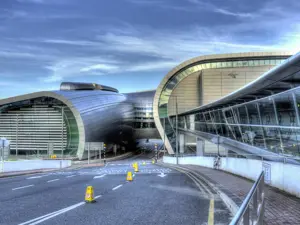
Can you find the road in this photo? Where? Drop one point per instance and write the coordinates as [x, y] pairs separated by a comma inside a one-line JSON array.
[[157, 195]]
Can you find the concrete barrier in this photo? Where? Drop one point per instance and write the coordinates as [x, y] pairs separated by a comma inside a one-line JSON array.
[[35, 165], [280, 175]]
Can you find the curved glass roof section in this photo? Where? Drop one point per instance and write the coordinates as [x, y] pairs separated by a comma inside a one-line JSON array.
[[211, 64]]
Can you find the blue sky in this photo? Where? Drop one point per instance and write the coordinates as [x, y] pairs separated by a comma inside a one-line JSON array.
[[130, 44]]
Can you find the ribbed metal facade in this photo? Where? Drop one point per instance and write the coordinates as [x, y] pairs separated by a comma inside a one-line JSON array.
[[36, 129], [63, 120]]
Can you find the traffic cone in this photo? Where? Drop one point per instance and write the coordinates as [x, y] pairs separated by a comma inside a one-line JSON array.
[[89, 194], [129, 176]]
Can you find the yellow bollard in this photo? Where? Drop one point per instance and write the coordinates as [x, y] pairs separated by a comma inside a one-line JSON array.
[[136, 168], [89, 194], [129, 176], [153, 161]]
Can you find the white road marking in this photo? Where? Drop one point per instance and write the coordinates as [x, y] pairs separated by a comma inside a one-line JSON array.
[[162, 175], [22, 187], [52, 180], [34, 177], [50, 215], [70, 176], [117, 187], [98, 196], [95, 177]]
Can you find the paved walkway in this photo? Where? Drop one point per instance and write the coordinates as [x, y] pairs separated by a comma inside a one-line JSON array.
[[25, 172], [280, 208]]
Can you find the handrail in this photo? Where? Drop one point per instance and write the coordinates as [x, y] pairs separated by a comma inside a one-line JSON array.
[[256, 194]]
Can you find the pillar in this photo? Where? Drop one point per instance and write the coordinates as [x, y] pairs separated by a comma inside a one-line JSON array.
[[200, 147]]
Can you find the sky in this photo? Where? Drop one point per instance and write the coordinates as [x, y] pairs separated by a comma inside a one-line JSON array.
[[130, 44]]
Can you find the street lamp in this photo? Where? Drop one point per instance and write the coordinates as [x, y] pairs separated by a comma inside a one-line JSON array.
[[176, 121]]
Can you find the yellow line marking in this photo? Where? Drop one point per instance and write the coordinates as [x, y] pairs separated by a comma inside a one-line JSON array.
[[211, 212]]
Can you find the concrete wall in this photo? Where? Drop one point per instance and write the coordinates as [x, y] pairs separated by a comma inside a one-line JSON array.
[[35, 165], [280, 175]]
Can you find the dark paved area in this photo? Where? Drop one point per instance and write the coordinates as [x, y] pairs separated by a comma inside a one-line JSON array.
[[157, 195], [280, 208]]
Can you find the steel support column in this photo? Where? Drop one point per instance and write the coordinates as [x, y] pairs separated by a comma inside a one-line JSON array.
[[277, 122], [261, 123]]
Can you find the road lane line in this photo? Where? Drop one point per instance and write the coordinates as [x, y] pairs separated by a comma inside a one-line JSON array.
[[22, 187], [70, 176], [50, 215], [52, 180], [34, 177], [98, 196], [211, 212], [117, 187], [41, 217], [95, 177]]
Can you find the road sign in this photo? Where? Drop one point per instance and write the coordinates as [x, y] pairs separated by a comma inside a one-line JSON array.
[[94, 146], [4, 142]]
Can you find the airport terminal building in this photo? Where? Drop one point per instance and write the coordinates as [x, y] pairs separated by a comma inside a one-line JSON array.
[[66, 119]]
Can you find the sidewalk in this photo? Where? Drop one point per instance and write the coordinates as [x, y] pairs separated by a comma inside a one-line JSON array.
[[25, 172], [280, 207]]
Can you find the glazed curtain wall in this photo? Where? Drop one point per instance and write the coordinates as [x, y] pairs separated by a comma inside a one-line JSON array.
[[270, 123]]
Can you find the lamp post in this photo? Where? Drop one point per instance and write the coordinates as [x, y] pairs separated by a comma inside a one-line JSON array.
[[62, 137], [176, 121]]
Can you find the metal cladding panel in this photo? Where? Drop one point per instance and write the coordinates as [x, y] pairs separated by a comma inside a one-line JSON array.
[[144, 96], [102, 112]]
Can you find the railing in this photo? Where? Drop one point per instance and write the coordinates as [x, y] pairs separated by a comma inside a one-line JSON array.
[[253, 215]]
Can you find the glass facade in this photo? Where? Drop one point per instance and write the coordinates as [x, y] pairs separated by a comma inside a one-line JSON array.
[[207, 118], [271, 123]]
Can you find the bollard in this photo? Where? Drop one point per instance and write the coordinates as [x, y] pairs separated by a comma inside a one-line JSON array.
[[144, 163], [153, 161], [136, 168], [129, 176], [89, 194]]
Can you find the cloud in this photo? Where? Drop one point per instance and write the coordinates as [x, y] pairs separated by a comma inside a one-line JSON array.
[[70, 42], [100, 67], [12, 54], [154, 66], [193, 6], [159, 50], [237, 14], [149, 43]]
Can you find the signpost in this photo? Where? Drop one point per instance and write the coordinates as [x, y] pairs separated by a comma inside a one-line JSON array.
[[3, 143], [156, 152], [94, 147]]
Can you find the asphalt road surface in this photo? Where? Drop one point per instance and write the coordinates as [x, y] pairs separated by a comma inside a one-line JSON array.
[[157, 195]]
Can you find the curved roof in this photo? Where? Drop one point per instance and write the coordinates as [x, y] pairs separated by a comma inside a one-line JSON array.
[[95, 111], [278, 79], [177, 74]]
